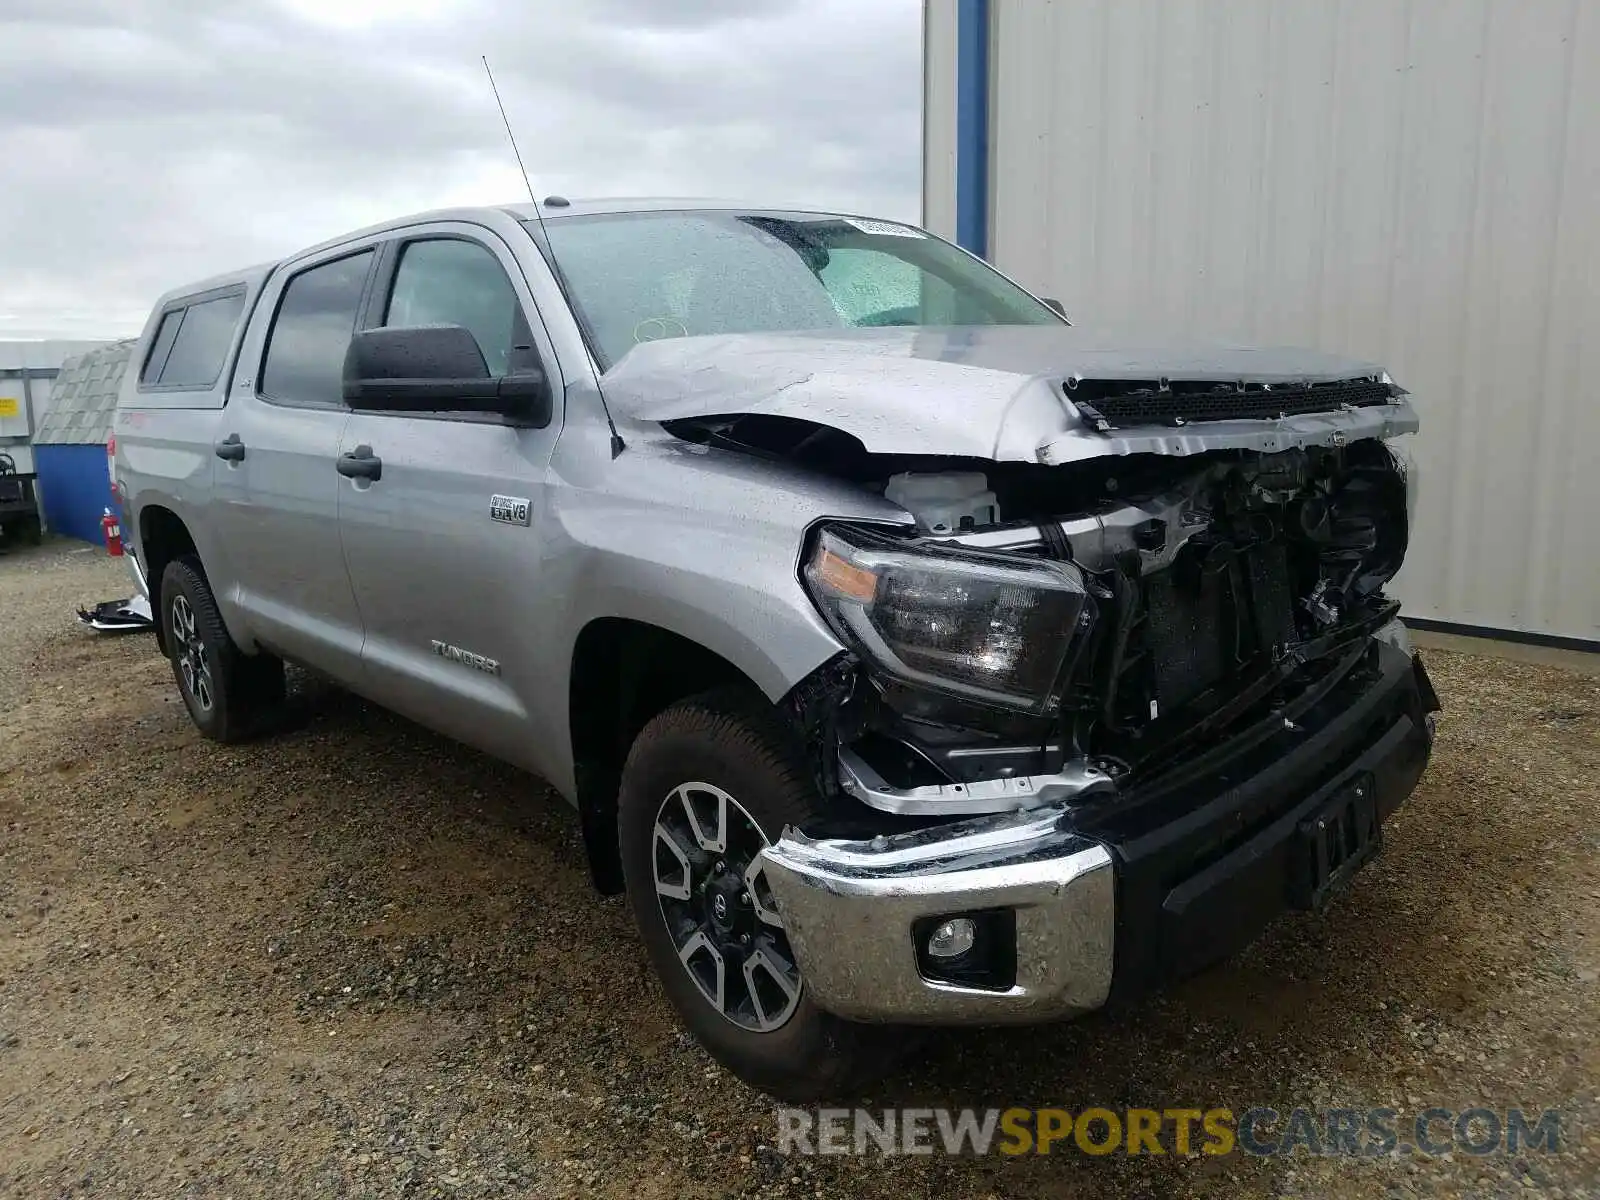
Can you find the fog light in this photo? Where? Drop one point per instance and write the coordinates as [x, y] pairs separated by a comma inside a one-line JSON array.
[[972, 950], [953, 938]]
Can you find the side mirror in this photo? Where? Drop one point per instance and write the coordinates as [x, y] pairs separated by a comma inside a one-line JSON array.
[[1055, 304], [439, 368]]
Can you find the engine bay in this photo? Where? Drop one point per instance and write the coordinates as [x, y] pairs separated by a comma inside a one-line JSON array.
[[1221, 586]]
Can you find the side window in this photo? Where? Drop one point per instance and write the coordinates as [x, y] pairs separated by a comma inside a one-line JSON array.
[[160, 347], [446, 281], [202, 342], [304, 362]]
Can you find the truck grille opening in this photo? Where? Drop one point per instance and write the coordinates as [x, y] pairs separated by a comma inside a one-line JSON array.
[[1119, 404], [1200, 630], [1293, 555], [1229, 588]]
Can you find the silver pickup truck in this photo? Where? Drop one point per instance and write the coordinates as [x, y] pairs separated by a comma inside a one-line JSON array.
[[911, 655]]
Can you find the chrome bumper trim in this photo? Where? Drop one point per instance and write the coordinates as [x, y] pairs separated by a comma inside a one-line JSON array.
[[848, 909], [1007, 794]]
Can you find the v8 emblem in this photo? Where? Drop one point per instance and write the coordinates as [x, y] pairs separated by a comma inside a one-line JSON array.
[[510, 510]]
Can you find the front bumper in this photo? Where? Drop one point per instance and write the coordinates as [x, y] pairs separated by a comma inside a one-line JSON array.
[[849, 908], [1110, 899]]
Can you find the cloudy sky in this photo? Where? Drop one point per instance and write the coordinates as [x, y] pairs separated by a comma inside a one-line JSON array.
[[147, 143]]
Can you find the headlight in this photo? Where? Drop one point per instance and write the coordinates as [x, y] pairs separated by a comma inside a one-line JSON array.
[[986, 627]]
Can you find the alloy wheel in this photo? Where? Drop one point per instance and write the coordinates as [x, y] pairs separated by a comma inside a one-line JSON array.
[[189, 651], [711, 884]]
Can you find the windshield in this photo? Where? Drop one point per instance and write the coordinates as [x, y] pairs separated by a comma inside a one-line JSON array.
[[639, 277]]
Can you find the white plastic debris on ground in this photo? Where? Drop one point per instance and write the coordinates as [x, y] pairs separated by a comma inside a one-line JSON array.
[[118, 616]]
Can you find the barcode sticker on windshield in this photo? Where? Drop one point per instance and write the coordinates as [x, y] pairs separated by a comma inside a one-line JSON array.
[[886, 228]]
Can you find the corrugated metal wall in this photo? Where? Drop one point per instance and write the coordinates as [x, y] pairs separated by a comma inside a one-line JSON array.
[[1415, 181]]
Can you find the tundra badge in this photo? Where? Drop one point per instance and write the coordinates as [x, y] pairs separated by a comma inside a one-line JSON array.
[[512, 510], [466, 658]]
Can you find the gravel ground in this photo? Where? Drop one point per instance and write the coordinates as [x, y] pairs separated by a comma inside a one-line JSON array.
[[358, 960]]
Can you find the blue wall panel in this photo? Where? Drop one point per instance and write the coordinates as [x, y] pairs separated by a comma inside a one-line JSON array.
[[972, 126], [74, 488]]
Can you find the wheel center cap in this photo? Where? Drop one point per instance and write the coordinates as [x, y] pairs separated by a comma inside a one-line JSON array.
[[722, 909]]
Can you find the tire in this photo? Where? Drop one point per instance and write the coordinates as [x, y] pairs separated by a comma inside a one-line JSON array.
[[230, 695], [733, 745]]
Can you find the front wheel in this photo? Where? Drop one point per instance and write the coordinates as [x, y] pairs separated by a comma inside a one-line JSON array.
[[708, 784]]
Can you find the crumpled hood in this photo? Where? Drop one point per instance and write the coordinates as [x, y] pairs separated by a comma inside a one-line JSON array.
[[990, 392]]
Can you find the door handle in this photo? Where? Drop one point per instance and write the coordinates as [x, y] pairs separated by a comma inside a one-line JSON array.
[[230, 448], [360, 463]]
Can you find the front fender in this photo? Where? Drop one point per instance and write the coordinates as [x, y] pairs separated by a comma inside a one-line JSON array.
[[707, 544], [741, 600]]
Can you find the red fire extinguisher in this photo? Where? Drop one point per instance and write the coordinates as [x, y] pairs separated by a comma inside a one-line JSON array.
[[113, 534]]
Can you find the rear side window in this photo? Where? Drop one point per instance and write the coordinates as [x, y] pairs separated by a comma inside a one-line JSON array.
[[166, 333], [191, 343], [304, 362], [202, 342]]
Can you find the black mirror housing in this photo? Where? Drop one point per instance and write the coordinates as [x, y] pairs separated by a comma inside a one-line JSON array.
[[439, 368], [1051, 302]]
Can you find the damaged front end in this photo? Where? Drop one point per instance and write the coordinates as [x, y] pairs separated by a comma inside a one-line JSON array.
[[1050, 634], [1103, 723], [1112, 696]]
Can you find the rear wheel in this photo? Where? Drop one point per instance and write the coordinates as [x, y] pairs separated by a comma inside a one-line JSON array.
[[708, 784], [229, 694]]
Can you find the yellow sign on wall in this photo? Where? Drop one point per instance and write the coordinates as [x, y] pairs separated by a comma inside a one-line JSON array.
[[10, 406]]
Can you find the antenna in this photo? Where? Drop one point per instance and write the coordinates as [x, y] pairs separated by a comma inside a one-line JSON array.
[[512, 138], [617, 444]]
